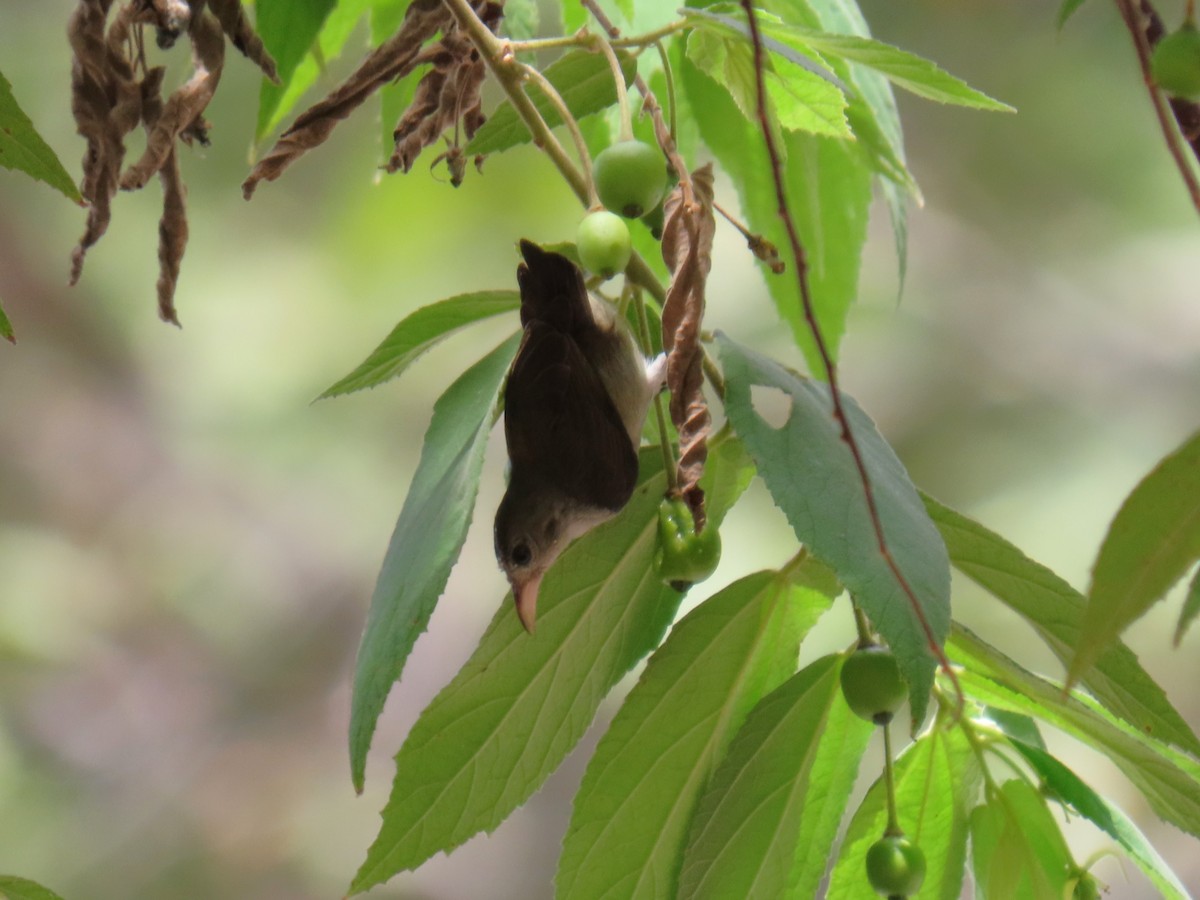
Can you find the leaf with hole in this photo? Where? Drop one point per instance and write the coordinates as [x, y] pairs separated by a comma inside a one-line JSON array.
[[812, 476]]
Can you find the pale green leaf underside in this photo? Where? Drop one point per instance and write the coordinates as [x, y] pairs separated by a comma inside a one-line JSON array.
[[1067, 786], [1169, 780], [584, 80], [766, 823], [938, 781], [521, 702], [634, 805], [23, 149], [15, 888], [1055, 609], [420, 331], [1017, 847], [426, 542], [1152, 542], [813, 478]]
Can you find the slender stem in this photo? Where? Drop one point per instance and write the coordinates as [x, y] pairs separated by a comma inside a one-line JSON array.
[[582, 39], [619, 80], [865, 638], [555, 98], [827, 362], [670, 78], [790, 568], [669, 463], [1165, 120], [715, 376], [893, 823]]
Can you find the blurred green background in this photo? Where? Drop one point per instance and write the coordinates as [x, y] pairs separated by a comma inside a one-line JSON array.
[[187, 543]]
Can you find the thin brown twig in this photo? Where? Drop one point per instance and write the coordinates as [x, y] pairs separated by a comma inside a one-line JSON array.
[[810, 316], [1167, 122]]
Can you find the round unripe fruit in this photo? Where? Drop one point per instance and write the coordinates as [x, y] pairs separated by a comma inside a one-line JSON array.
[[603, 243], [1175, 63], [684, 556], [895, 866], [872, 685], [630, 178]]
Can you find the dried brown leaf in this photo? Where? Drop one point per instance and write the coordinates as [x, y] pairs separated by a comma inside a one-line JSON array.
[[170, 19], [687, 250], [243, 36], [186, 104], [446, 96], [172, 235], [391, 60]]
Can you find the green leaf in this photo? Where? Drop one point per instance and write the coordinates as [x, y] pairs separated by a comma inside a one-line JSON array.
[[829, 185], [812, 476], [903, 69], [938, 781], [518, 706], [1017, 847], [386, 16], [583, 79], [632, 811], [288, 29], [335, 31], [521, 19], [6, 329], [1169, 780], [1191, 603], [425, 545], [767, 821], [14, 888], [800, 100], [1055, 609], [419, 332], [23, 149], [1069, 788], [1152, 542], [1066, 10]]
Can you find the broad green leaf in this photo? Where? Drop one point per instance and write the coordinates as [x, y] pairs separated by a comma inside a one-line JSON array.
[[1066, 10], [1152, 542], [1017, 847], [871, 112], [14, 888], [907, 70], [632, 811], [6, 329], [332, 38], [766, 823], [1016, 725], [1055, 609], [425, 545], [521, 19], [386, 17], [829, 189], [584, 80], [1191, 603], [288, 28], [1169, 780], [938, 781], [420, 331], [800, 100], [1068, 787], [812, 476], [23, 149], [521, 702]]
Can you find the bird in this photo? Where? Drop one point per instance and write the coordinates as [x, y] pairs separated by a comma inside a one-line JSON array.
[[575, 401]]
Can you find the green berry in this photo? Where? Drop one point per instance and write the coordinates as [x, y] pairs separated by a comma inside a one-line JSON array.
[[872, 684], [603, 243], [1175, 63], [895, 866], [684, 556], [630, 178]]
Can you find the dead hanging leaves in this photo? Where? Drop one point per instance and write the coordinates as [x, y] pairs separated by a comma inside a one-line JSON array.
[[687, 250], [113, 91], [448, 95]]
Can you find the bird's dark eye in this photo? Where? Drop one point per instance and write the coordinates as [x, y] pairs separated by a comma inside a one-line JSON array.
[[521, 555]]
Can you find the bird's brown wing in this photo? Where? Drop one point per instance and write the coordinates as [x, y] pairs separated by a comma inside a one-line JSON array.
[[561, 426]]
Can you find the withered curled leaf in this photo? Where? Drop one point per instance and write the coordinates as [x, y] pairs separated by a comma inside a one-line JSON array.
[[186, 104], [448, 94], [687, 250], [392, 59], [242, 35]]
